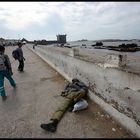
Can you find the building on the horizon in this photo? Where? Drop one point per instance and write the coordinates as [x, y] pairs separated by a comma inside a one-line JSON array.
[[61, 38], [8, 42], [2, 40]]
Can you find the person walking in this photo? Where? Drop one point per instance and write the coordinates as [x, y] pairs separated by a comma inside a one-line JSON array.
[[5, 71], [20, 58], [35, 44], [73, 92]]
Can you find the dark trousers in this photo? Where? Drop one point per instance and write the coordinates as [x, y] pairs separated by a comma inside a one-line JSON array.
[[21, 65]]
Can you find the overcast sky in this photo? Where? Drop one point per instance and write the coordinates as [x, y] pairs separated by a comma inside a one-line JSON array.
[[79, 20]]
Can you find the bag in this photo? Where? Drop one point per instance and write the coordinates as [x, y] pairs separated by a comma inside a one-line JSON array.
[[2, 63], [15, 54], [6, 59], [80, 105]]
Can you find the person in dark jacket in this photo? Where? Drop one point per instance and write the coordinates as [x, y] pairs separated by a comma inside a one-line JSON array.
[[73, 92], [5, 71], [21, 58]]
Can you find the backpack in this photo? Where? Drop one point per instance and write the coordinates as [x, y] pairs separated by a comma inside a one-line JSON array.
[[15, 54], [2, 63]]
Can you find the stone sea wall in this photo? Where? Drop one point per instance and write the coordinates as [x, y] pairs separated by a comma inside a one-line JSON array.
[[117, 91]]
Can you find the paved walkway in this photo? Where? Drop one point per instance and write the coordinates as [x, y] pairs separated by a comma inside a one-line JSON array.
[[35, 99]]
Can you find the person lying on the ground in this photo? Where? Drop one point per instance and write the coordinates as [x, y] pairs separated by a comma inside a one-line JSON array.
[[73, 92]]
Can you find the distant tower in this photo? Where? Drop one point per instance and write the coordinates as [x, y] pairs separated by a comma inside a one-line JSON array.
[[61, 38]]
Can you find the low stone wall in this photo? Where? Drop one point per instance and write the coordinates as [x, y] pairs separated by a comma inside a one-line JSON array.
[[116, 91]]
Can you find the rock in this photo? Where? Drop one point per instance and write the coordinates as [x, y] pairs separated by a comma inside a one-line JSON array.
[[102, 115], [99, 44], [107, 116], [113, 129]]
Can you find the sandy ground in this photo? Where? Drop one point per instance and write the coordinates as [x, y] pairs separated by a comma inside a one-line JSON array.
[[35, 99]]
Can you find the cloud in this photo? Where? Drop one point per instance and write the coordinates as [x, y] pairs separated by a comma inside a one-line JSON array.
[[77, 19], [20, 15]]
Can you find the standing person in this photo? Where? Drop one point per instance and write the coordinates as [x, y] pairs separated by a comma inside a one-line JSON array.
[[21, 58], [35, 44], [73, 92], [5, 71]]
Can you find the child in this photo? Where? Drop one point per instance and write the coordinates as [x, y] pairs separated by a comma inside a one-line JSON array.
[[5, 71]]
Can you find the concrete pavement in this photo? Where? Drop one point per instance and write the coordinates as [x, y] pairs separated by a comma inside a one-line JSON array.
[[35, 99]]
